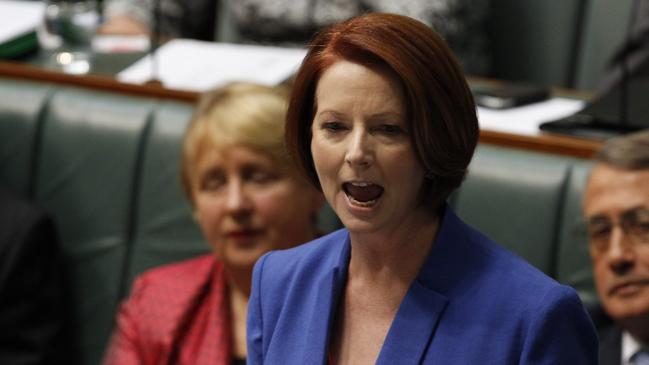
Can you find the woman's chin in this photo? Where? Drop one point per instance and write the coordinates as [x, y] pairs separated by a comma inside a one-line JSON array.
[[240, 258], [359, 225]]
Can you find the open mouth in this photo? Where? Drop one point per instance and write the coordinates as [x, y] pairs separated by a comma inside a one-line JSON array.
[[362, 194]]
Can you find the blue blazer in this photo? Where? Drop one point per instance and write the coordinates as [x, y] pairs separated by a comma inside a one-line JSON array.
[[473, 302]]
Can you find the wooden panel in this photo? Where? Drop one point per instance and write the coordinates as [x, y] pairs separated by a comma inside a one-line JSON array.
[[97, 82]]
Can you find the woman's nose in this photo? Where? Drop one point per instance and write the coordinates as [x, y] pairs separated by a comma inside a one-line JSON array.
[[237, 200], [359, 150]]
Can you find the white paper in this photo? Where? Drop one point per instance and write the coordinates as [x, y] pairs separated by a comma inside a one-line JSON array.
[[19, 17], [104, 43], [526, 119], [199, 66]]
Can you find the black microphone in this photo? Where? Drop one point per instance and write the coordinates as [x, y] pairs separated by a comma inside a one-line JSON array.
[[619, 109], [155, 43]]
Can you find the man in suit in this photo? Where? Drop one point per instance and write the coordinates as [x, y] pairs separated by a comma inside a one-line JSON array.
[[616, 208], [31, 308]]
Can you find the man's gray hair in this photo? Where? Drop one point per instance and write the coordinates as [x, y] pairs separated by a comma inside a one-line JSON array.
[[628, 152]]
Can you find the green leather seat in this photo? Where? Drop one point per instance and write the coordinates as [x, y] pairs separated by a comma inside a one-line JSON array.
[[87, 166], [573, 260], [514, 197], [21, 106], [165, 230]]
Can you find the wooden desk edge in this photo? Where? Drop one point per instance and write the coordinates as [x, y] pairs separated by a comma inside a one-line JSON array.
[[97, 82], [556, 144]]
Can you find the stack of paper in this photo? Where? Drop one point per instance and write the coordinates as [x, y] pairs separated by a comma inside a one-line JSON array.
[[526, 119], [18, 23], [199, 66]]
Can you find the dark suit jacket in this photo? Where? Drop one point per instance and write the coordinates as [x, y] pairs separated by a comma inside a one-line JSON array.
[[610, 346], [472, 303], [31, 310]]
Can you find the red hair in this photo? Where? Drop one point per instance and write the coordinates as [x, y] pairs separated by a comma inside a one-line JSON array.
[[439, 104]]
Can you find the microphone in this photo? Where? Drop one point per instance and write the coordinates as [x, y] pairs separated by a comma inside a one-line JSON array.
[[155, 43], [621, 109]]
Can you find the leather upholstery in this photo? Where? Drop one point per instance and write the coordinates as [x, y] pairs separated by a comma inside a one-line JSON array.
[[87, 167], [107, 168], [165, 230], [573, 264], [21, 105]]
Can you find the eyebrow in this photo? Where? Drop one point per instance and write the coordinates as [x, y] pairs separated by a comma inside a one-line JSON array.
[[636, 210], [379, 115], [601, 216], [598, 218]]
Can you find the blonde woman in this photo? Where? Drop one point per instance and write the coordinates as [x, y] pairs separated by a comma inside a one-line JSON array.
[[248, 200]]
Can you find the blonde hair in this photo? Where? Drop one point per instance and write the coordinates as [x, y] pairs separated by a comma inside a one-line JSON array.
[[237, 113]]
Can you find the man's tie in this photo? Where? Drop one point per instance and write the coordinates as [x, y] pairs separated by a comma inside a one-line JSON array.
[[640, 358]]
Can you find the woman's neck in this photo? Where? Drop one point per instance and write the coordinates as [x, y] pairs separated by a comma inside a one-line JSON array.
[[393, 256], [382, 267], [238, 311]]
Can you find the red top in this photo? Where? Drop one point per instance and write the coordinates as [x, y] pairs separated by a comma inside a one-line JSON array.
[[176, 314]]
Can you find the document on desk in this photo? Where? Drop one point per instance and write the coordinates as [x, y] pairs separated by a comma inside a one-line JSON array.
[[198, 66], [527, 119], [18, 18]]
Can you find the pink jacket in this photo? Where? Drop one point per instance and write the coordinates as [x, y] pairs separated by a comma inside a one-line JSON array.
[[176, 314]]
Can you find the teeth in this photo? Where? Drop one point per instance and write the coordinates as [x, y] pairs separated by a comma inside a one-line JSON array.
[[360, 184], [362, 204]]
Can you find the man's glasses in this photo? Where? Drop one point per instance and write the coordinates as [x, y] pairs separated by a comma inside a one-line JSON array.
[[634, 223]]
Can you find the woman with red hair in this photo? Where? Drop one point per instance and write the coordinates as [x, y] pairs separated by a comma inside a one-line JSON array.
[[382, 121]]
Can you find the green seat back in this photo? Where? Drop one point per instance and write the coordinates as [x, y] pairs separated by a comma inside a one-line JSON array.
[[21, 106], [86, 172], [573, 263], [165, 230], [514, 197]]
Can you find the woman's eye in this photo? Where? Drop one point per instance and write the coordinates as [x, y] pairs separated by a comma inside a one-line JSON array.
[[212, 183], [260, 177], [392, 129], [333, 126]]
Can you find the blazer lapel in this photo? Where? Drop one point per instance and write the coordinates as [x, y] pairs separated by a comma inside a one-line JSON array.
[[413, 326], [327, 292]]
